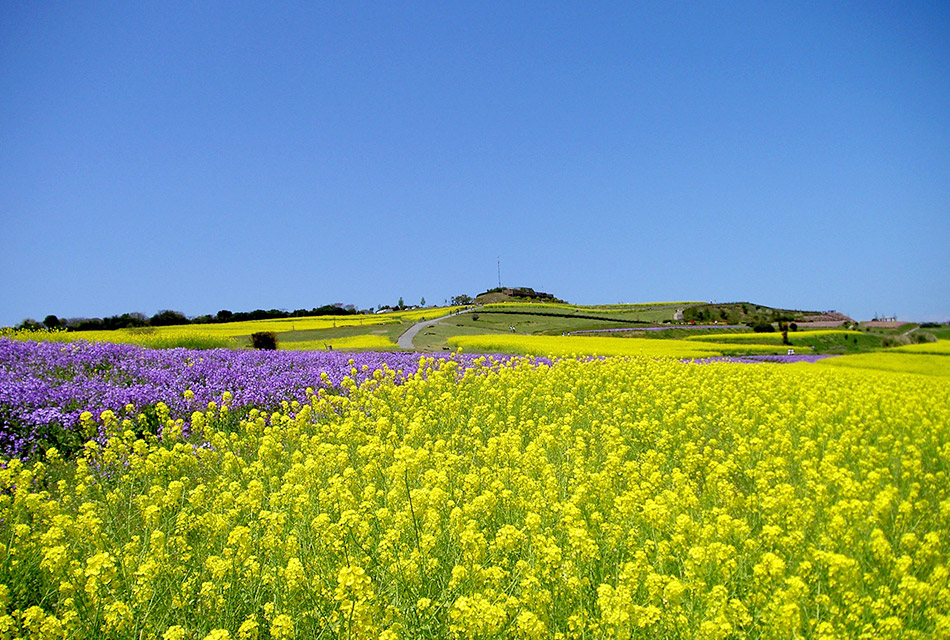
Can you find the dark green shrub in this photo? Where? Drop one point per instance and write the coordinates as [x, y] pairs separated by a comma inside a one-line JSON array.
[[763, 327], [167, 318], [266, 340]]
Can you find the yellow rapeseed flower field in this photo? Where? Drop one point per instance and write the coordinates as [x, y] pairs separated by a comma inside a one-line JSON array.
[[895, 360], [600, 346], [610, 498], [245, 328], [225, 335], [367, 341], [416, 315], [152, 338], [940, 347]]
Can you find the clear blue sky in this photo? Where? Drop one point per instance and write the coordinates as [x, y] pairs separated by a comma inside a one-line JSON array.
[[234, 155]]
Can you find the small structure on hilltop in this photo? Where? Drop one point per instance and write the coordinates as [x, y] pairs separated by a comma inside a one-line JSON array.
[[515, 294]]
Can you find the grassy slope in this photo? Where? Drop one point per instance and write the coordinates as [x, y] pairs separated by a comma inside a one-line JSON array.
[[943, 333], [541, 319]]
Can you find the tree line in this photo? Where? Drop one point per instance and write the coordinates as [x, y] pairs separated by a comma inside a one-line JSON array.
[[166, 318]]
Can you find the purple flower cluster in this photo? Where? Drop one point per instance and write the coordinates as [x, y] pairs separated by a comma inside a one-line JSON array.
[[46, 386], [762, 358], [661, 328]]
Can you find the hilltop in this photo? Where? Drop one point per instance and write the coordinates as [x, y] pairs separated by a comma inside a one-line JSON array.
[[515, 294]]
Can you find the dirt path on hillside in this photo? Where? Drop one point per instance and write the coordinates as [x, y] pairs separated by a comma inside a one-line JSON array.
[[405, 340]]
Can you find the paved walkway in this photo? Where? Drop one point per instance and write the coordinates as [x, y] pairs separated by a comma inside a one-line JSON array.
[[405, 340]]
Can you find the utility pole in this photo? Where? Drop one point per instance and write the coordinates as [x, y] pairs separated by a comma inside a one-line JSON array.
[[499, 273]]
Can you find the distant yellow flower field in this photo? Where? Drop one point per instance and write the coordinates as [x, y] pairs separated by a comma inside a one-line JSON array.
[[348, 342], [417, 315], [941, 347], [225, 334], [152, 338], [598, 346], [892, 360]]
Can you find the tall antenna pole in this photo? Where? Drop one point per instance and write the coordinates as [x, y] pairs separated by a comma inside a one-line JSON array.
[[499, 272]]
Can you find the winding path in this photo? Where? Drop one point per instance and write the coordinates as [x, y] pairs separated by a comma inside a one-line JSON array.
[[405, 340]]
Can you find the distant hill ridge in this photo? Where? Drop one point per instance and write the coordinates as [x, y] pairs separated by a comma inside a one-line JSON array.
[[745, 312]]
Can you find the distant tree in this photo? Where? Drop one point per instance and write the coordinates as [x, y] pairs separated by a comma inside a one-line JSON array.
[[333, 310], [29, 323], [87, 324], [125, 321], [422, 302], [224, 316], [461, 300], [51, 322], [165, 318], [783, 327], [400, 305]]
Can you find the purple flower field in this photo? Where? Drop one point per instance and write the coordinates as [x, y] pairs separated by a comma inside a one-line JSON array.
[[46, 386]]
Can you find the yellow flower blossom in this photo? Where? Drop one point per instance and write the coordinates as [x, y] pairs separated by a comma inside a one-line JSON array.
[[605, 498]]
